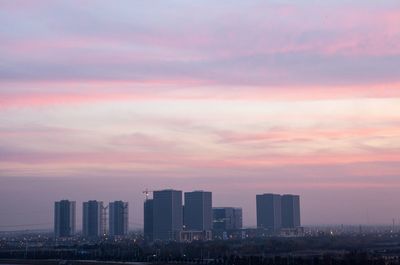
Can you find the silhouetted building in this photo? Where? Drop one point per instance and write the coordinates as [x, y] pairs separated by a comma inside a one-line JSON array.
[[198, 211], [290, 211], [148, 219], [227, 218], [238, 215], [269, 213], [118, 218], [64, 218], [167, 214], [93, 219]]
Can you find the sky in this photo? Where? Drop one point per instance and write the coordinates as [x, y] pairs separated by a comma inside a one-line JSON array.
[[101, 100]]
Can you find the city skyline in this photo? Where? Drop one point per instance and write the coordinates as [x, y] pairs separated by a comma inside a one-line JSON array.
[[102, 101], [136, 208], [175, 215]]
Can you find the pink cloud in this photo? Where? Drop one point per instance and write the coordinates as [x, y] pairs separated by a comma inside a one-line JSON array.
[[308, 134], [177, 159], [16, 94]]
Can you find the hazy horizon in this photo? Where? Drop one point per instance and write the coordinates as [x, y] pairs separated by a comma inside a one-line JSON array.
[[102, 100], [36, 202]]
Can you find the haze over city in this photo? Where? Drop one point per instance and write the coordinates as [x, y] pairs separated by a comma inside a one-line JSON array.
[[101, 101]]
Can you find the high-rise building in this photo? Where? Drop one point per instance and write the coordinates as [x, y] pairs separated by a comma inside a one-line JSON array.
[[227, 218], [290, 211], [93, 219], [269, 214], [64, 218], [118, 218], [198, 211], [238, 215], [167, 214], [148, 219]]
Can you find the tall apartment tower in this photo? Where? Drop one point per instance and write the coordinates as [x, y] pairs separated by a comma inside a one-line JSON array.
[[269, 211], [290, 211], [118, 218], [227, 218], [198, 211], [148, 219], [238, 218], [93, 219], [167, 214], [64, 218]]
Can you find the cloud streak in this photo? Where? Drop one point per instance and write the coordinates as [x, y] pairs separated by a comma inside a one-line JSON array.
[[332, 45]]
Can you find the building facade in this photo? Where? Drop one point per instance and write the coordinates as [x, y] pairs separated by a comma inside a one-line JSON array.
[[290, 211], [167, 214], [238, 215], [64, 218], [227, 218], [118, 218], [269, 211], [93, 219], [198, 211], [148, 219]]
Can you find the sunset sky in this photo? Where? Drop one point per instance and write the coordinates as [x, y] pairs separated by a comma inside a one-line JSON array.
[[102, 99]]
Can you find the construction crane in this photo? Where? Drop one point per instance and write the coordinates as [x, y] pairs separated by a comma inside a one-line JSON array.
[[146, 193]]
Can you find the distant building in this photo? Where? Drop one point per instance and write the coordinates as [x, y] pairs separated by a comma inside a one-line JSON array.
[[227, 218], [190, 235], [238, 215], [93, 219], [64, 218], [290, 211], [148, 219], [167, 214], [269, 211], [292, 232], [198, 211], [118, 218]]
